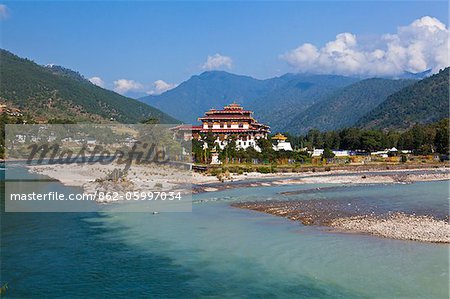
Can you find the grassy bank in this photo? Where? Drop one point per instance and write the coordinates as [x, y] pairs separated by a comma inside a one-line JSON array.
[[228, 169]]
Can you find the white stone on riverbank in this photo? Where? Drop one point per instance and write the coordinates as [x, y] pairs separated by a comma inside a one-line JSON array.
[[397, 226]]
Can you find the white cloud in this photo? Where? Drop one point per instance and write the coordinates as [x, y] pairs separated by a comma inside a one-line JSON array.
[[217, 61], [4, 12], [422, 45], [123, 86], [97, 81], [161, 86]]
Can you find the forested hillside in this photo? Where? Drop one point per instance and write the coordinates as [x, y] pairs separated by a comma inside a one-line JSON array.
[[346, 106], [423, 102], [56, 92]]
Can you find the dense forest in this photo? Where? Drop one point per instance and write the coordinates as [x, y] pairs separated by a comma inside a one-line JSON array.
[[420, 103]]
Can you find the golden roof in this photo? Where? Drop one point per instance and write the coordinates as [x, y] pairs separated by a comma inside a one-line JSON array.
[[279, 136]]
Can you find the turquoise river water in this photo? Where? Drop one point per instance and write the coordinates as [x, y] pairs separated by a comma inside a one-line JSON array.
[[220, 251]]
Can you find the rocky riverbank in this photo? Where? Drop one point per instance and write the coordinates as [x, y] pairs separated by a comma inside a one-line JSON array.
[[355, 217], [397, 226]]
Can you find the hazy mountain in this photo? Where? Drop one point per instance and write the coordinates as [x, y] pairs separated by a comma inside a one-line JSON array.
[[274, 100], [423, 102], [344, 107], [421, 75], [213, 89], [52, 91], [279, 107]]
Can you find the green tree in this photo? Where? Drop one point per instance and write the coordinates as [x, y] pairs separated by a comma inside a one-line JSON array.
[[327, 154], [371, 140], [442, 137]]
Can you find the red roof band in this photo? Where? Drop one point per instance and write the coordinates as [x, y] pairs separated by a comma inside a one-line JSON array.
[[231, 112]]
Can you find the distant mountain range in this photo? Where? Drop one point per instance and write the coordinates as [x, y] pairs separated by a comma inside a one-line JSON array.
[[418, 76], [47, 92], [213, 89], [293, 103], [423, 102], [275, 101], [296, 103]]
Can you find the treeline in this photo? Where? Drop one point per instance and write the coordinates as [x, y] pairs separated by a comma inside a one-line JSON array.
[[420, 139], [231, 154]]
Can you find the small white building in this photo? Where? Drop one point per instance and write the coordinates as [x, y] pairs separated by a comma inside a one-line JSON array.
[[384, 153], [341, 153], [281, 143], [317, 152]]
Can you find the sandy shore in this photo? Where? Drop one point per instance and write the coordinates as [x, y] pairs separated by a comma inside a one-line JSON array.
[[354, 217], [144, 177]]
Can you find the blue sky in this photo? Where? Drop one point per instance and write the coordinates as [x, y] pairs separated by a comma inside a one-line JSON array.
[[170, 41]]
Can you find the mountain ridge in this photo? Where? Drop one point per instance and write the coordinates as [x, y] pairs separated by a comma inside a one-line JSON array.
[[47, 92]]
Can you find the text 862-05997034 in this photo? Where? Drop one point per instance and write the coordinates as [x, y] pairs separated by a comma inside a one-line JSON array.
[[148, 195]]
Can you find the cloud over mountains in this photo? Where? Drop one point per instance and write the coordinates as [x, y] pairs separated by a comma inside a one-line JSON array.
[[126, 86], [161, 86], [97, 81], [123, 86], [217, 61], [422, 45]]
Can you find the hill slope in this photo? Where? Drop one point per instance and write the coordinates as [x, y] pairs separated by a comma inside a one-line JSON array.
[[274, 100], [346, 106], [423, 102], [279, 107], [56, 92]]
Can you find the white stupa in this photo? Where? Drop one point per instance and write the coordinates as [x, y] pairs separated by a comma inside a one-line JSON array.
[[282, 143]]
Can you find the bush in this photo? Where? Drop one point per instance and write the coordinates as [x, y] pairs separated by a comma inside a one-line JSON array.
[[263, 169], [215, 171]]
